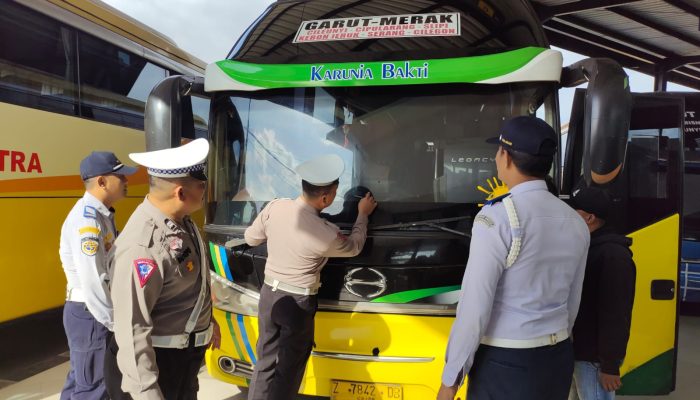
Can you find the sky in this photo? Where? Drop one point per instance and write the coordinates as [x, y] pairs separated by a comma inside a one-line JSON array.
[[205, 28], [208, 29]]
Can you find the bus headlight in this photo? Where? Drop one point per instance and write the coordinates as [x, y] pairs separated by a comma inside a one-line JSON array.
[[234, 298]]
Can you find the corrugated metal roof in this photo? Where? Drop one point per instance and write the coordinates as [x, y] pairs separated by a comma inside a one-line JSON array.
[[649, 35]]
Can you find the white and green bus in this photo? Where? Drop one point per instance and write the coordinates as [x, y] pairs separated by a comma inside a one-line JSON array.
[[406, 92]]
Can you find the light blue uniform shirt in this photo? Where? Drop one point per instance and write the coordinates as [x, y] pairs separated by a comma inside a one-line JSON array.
[[86, 236], [538, 295]]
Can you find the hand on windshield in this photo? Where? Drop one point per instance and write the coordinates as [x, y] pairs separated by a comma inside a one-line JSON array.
[[367, 205]]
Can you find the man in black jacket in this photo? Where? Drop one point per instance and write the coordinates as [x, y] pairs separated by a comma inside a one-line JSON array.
[[602, 327]]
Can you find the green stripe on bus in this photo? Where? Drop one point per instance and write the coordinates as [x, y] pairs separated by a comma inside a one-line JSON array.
[[449, 70], [412, 295], [212, 253], [654, 377], [233, 336]]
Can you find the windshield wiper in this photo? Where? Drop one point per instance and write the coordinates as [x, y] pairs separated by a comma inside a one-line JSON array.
[[433, 223]]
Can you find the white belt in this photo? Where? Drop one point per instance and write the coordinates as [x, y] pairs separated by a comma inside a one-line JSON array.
[[547, 340], [75, 294], [183, 340], [277, 285]]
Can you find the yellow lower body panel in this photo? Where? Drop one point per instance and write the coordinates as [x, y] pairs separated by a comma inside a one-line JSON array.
[[419, 338], [647, 369], [32, 274]]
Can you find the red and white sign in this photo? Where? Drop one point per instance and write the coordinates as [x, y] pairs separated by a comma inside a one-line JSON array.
[[379, 27]]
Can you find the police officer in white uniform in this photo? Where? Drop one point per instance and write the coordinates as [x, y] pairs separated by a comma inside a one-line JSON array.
[[522, 285], [160, 284], [86, 236], [299, 243]]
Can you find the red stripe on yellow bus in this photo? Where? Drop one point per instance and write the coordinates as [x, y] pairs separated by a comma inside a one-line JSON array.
[[69, 182]]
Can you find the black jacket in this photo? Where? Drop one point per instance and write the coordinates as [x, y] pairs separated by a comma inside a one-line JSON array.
[[602, 326]]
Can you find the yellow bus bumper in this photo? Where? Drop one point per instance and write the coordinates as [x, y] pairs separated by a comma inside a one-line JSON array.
[[409, 351]]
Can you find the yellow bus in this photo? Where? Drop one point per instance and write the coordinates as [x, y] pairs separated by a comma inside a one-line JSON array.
[[406, 92], [74, 77]]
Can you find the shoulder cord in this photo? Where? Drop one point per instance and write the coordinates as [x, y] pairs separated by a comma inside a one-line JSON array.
[[516, 233]]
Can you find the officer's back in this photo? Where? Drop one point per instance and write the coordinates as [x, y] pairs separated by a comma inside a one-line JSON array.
[[522, 285], [534, 292], [297, 236]]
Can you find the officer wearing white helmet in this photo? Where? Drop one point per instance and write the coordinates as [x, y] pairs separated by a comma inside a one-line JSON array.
[[299, 243], [522, 285], [160, 284]]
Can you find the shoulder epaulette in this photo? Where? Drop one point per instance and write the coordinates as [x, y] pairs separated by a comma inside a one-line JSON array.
[[90, 212], [496, 199]]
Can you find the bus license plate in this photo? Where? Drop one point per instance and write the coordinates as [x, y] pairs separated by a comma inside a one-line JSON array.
[[342, 390]]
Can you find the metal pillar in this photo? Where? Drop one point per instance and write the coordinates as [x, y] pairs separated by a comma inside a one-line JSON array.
[[660, 78]]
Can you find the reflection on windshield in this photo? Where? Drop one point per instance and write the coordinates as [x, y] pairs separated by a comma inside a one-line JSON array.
[[420, 150]]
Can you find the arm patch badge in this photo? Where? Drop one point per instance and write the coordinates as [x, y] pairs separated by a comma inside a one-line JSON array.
[[144, 269], [89, 245]]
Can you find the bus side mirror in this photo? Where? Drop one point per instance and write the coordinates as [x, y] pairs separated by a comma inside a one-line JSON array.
[[168, 115], [606, 123]]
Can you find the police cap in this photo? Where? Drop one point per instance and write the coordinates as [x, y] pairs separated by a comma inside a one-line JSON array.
[[186, 160], [103, 163], [321, 171], [527, 134]]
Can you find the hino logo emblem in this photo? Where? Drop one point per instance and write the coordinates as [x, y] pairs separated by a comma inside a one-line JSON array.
[[365, 282]]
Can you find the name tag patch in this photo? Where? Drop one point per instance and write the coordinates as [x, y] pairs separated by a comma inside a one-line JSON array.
[[145, 269]]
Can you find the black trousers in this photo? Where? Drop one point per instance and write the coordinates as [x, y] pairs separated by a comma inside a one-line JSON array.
[[542, 373], [177, 372], [286, 325]]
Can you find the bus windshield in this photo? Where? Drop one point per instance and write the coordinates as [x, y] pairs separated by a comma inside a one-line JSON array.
[[421, 150]]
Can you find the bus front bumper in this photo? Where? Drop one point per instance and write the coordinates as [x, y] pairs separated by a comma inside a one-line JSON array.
[[405, 351]]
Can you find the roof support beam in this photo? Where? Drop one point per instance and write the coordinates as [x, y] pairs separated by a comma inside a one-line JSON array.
[[675, 62], [693, 10], [583, 37], [656, 26], [573, 43], [548, 12], [638, 48]]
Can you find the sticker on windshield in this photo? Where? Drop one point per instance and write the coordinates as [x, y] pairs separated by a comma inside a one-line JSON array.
[[379, 27]]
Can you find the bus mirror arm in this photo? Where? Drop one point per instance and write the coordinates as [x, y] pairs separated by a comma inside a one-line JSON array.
[[168, 113], [194, 87], [607, 114], [237, 246]]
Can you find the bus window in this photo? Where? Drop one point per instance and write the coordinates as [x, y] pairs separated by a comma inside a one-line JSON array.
[[653, 162], [114, 83], [200, 112], [415, 148], [37, 54]]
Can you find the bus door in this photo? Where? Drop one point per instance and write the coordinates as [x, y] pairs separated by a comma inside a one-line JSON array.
[[690, 252], [648, 201]]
